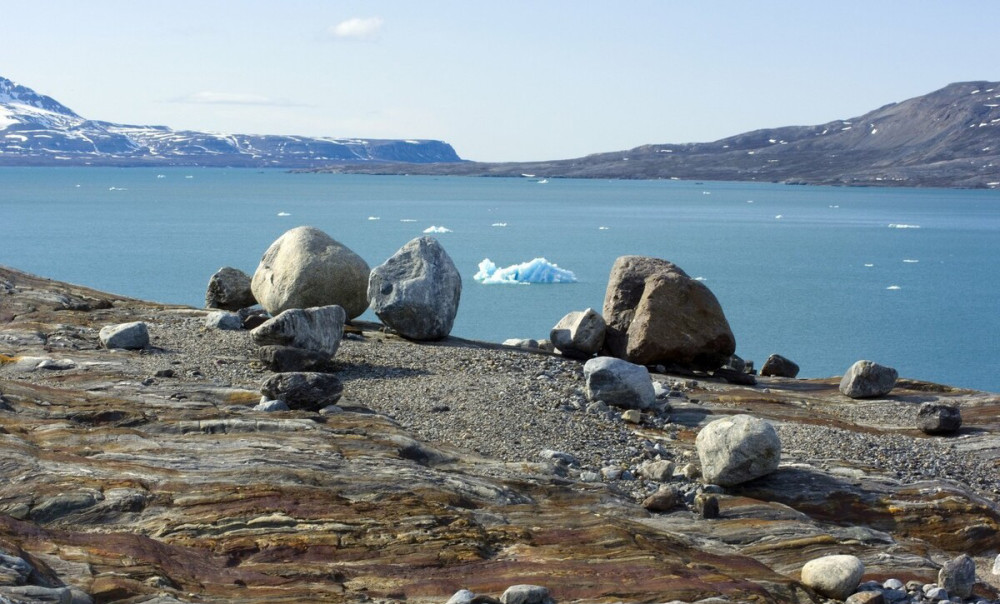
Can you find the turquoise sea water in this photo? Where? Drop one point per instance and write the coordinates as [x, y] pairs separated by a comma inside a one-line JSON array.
[[788, 263]]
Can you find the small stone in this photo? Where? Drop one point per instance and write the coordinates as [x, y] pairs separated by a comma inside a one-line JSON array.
[[664, 499], [778, 366], [937, 594], [939, 418], [632, 416], [834, 576], [866, 597], [894, 595], [269, 406], [660, 390], [526, 594], [288, 358], [706, 505], [958, 576], [996, 565], [611, 473], [893, 584], [164, 373], [558, 457], [661, 470], [589, 476], [691, 471], [225, 320], [130, 336]]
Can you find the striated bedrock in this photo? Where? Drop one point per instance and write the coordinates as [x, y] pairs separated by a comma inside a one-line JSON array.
[[130, 474]]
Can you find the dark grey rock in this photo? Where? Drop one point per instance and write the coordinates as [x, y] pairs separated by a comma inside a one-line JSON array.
[[619, 383], [706, 505], [284, 359], [229, 289], [303, 390], [778, 366], [939, 418], [416, 291], [63, 504], [958, 576], [36, 594], [866, 379], [14, 570], [130, 336], [317, 329]]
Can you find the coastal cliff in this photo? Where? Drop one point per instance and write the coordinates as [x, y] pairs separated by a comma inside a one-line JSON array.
[[148, 475]]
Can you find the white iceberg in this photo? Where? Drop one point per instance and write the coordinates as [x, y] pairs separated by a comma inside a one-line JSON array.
[[437, 229], [538, 270]]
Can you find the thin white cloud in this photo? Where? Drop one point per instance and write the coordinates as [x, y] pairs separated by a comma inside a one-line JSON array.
[[208, 97], [358, 28]]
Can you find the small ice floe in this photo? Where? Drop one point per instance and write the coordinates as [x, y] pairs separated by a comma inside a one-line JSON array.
[[161, 175], [835, 207], [117, 189], [778, 217], [894, 287], [543, 181], [374, 218], [407, 219], [499, 224], [603, 228], [904, 226], [77, 186], [749, 201], [910, 261], [706, 192], [437, 229], [869, 265], [283, 214], [527, 175], [189, 176], [538, 270], [700, 279]]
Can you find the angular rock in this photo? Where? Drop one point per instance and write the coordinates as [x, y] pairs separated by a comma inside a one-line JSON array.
[[661, 470], [130, 336], [283, 359], [36, 594], [733, 450], [706, 505], [303, 390], [306, 268], [939, 418], [632, 416], [866, 597], [619, 383], [221, 319], [269, 406], [229, 289], [866, 379], [526, 594], [416, 292], [996, 566], [657, 314], [664, 499], [579, 335], [316, 329], [525, 343], [778, 366], [14, 570], [833, 576], [958, 576]]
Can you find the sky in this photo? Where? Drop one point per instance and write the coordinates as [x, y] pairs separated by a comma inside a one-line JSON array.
[[499, 81]]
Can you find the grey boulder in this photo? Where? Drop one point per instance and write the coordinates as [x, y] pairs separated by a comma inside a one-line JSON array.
[[229, 289], [733, 450], [834, 576], [316, 329], [619, 383], [778, 366], [303, 390], [222, 319], [130, 336], [938, 418], [306, 268], [416, 291], [866, 379], [958, 576], [526, 594], [288, 358], [579, 335], [657, 315]]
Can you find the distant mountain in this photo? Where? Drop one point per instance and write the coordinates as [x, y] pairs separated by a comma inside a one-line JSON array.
[[948, 138], [37, 130]]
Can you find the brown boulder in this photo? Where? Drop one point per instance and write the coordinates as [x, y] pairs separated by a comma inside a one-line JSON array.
[[658, 315]]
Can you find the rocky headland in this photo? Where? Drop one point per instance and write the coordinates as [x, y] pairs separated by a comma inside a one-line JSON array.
[[143, 465]]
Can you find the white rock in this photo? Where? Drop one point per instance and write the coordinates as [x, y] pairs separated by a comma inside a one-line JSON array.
[[619, 383], [736, 449], [579, 335], [866, 379], [462, 596], [131, 336], [526, 594], [660, 470], [833, 576], [222, 319]]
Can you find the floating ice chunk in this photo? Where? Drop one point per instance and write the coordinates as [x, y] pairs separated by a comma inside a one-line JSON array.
[[499, 224], [283, 214], [437, 229], [910, 261], [374, 218], [778, 217], [749, 201], [904, 226], [869, 265], [117, 189], [161, 175], [894, 287], [407, 219], [189, 176], [700, 279], [538, 270], [603, 228]]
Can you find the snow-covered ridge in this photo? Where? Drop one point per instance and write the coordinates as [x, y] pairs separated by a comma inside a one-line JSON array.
[[38, 130]]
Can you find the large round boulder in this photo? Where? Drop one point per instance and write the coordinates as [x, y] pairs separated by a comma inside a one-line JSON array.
[[657, 315], [304, 268], [866, 379], [416, 291], [834, 576], [619, 383], [733, 450], [579, 335], [229, 289]]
